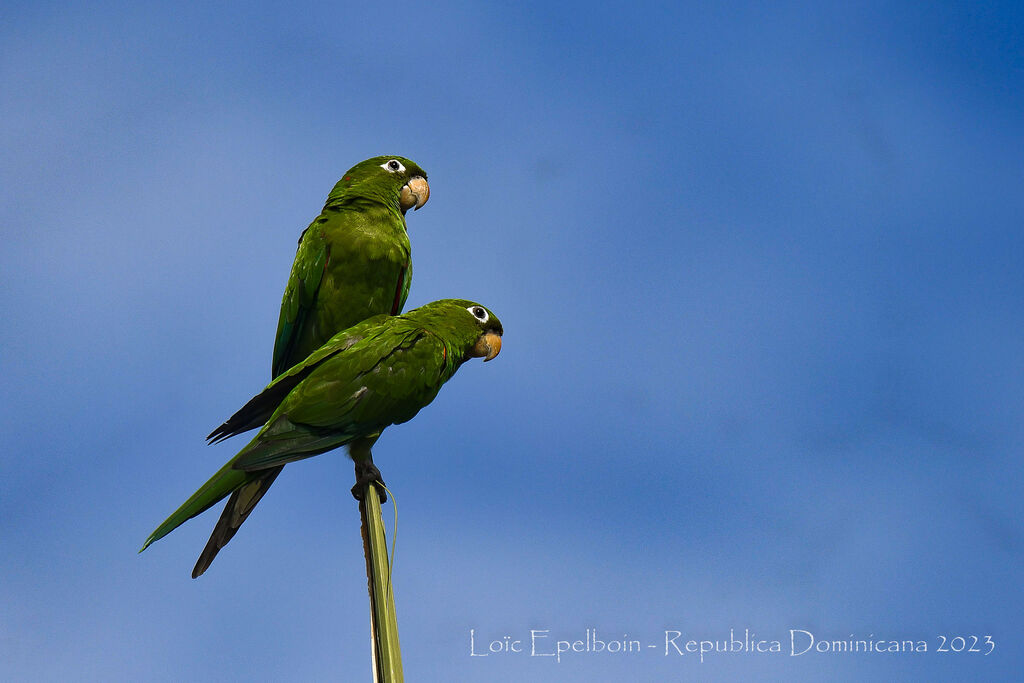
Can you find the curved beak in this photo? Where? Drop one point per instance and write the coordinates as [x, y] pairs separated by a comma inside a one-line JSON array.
[[487, 346], [415, 193]]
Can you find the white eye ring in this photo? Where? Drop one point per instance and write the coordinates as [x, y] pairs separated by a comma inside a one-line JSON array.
[[479, 312], [393, 166]]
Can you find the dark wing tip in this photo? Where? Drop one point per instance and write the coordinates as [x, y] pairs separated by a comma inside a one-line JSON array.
[[220, 433]]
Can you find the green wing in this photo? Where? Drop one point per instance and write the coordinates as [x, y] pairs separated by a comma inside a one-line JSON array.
[[300, 293], [259, 409], [381, 380]]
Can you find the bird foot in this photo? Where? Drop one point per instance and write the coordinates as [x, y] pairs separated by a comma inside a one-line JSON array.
[[366, 474]]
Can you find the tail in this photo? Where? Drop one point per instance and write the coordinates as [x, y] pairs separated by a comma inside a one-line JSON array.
[[226, 480], [243, 500]]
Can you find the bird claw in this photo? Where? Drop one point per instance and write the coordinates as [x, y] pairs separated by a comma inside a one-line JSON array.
[[366, 474]]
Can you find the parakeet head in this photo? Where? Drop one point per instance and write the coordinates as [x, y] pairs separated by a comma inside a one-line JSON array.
[[387, 179], [465, 324]]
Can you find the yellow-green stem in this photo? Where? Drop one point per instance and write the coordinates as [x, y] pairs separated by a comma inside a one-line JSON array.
[[387, 655]]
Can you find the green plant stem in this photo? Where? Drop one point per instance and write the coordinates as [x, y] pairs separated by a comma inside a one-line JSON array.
[[387, 655]]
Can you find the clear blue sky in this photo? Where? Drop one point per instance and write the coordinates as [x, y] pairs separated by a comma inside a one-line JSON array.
[[760, 272]]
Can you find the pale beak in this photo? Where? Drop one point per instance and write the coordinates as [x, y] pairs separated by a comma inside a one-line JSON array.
[[487, 346], [415, 193]]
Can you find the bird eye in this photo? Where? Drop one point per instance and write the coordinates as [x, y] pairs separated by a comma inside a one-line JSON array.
[[393, 166], [479, 312]]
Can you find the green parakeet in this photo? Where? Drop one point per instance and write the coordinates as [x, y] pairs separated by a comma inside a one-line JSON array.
[[352, 262], [377, 373]]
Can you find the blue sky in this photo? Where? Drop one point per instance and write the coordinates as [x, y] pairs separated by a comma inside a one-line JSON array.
[[760, 273]]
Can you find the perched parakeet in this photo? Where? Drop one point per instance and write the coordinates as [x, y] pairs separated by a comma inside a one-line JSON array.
[[377, 373], [352, 263], [353, 259]]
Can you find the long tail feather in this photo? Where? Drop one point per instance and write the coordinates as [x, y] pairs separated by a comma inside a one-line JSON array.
[[226, 480], [236, 511]]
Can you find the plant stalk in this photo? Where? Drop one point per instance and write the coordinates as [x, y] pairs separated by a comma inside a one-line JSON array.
[[387, 655]]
